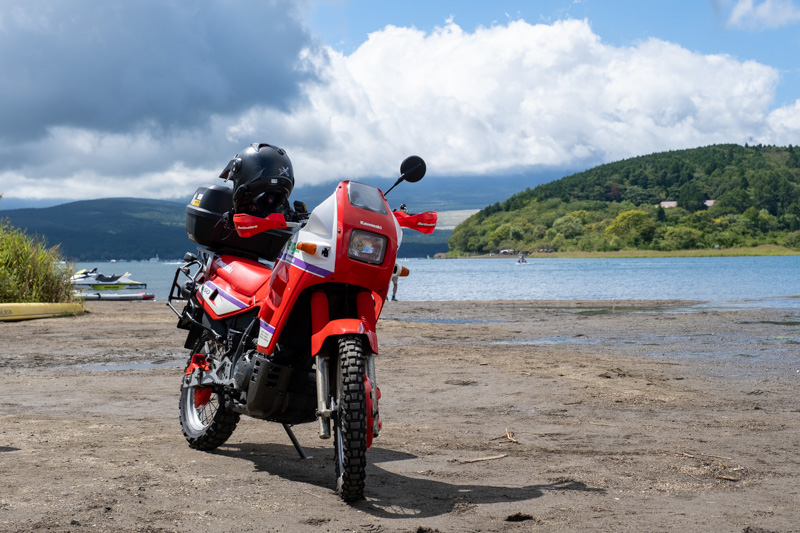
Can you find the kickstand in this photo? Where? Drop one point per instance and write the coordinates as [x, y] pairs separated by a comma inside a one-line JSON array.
[[297, 446]]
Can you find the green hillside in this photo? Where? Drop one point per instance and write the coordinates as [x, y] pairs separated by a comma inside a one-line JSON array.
[[115, 228], [755, 192]]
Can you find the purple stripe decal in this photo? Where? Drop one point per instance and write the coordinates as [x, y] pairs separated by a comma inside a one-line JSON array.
[[225, 296], [267, 327], [302, 265]]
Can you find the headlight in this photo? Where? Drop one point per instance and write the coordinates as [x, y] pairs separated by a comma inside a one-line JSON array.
[[366, 246]]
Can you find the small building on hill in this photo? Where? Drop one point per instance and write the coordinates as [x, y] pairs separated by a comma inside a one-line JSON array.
[[669, 204]]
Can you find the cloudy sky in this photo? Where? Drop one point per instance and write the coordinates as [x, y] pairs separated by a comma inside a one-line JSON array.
[[151, 98]]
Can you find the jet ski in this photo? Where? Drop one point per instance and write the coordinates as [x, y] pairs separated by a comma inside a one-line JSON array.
[[92, 279]]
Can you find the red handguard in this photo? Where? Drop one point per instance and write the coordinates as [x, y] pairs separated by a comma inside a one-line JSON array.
[[422, 222], [248, 225]]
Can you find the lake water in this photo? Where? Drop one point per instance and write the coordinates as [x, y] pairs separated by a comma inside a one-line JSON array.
[[770, 282]]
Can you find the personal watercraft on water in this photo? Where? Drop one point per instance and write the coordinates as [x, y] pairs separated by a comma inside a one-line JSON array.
[[92, 279]]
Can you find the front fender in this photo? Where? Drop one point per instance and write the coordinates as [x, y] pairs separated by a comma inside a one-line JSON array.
[[343, 326]]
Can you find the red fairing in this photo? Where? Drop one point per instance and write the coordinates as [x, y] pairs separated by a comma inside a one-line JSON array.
[[243, 275], [289, 281], [234, 285], [422, 222]]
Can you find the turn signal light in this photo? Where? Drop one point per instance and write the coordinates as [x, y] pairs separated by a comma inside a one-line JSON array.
[[307, 247]]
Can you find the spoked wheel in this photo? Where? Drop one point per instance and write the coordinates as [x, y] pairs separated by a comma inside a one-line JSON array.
[[205, 420], [350, 420]]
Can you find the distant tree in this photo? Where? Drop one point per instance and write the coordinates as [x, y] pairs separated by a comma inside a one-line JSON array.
[[691, 197], [792, 240], [772, 191], [614, 192], [737, 199], [557, 242], [790, 222], [633, 226], [794, 160], [682, 238], [569, 226], [636, 195]]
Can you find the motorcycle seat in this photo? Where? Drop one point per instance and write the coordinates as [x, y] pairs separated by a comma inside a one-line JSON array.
[[243, 275]]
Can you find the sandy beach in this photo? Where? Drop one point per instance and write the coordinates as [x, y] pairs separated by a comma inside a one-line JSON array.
[[498, 416]]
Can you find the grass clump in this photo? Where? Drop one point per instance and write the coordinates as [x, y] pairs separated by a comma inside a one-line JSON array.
[[30, 271]]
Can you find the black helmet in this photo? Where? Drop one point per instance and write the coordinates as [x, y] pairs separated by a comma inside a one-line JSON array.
[[263, 179]]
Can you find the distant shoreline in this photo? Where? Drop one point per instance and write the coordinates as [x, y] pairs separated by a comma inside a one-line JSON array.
[[754, 251]]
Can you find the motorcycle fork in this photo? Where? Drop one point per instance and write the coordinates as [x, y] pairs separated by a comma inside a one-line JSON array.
[[374, 386], [319, 318], [323, 388]]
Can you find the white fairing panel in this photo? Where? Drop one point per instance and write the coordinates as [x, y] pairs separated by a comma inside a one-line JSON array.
[[220, 300], [320, 230]]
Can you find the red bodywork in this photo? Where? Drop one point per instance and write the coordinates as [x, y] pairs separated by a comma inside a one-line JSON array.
[[240, 283], [236, 285], [288, 281]]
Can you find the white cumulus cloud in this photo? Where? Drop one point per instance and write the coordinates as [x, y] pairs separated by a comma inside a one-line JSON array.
[[764, 15], [515, 96]]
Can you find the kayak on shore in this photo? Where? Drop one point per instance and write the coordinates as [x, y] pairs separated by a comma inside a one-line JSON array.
[[10, 312]]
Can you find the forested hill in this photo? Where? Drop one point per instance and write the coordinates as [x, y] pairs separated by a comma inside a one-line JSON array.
[[111, 228], [727, 196]]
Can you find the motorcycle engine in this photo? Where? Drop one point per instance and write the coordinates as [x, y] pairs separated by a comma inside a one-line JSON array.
[[243, 370]]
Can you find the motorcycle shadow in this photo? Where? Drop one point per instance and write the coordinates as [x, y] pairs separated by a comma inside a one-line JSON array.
[[391, 494]]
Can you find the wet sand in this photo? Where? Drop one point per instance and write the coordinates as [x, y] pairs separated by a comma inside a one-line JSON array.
[[498, 416]]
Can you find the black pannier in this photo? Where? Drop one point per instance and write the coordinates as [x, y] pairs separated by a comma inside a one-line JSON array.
[[205, 226]]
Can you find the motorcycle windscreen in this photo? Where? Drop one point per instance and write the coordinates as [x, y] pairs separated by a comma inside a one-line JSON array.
[[366, 197]]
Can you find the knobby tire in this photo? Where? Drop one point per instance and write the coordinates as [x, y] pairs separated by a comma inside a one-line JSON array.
[[350, 422]]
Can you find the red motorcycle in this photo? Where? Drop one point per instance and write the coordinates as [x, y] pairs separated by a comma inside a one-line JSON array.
[[292, 341]]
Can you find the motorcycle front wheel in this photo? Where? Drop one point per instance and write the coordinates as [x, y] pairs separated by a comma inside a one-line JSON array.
[[350, 420], [205, 420]]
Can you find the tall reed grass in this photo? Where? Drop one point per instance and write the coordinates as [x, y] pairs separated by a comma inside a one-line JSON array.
[[30, 271]]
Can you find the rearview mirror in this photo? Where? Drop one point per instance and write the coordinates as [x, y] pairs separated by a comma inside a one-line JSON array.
[[412, 169]]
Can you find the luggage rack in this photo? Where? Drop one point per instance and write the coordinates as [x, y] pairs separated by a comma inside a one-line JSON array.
[[182, 292]]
